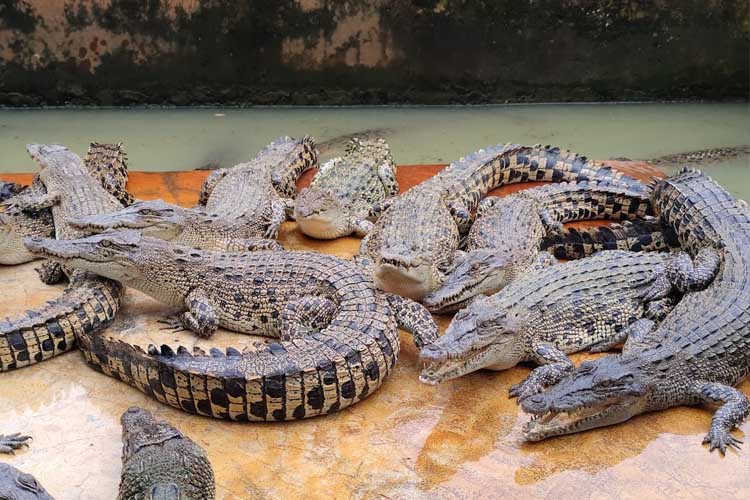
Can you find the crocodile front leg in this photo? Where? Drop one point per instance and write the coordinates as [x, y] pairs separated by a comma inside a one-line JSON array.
[[35, 201], [306, 315], [414, 318], [12, 442], [50, 272], [199, 318], [278, 215], [556, 366], [733, 411]]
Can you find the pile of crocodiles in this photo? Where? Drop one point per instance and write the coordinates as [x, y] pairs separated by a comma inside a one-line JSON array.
[[667, 285]]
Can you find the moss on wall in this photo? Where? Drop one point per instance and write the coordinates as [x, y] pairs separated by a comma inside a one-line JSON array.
[[121, 52]]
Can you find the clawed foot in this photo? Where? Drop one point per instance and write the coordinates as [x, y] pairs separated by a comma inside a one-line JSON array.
[[537, 381], [720, 439], [523, 390], [172, 322], [13, 442]]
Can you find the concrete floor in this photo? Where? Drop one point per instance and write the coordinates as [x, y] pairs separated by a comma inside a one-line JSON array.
[[458, 440]]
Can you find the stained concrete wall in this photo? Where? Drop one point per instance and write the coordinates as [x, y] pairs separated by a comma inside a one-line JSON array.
[[121, 52]]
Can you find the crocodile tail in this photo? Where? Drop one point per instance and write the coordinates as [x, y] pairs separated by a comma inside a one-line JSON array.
[[109, 164], [83, 309], [302, 156], [637, 236]]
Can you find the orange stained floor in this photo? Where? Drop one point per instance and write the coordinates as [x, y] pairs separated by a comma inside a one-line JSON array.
[[458, 440]]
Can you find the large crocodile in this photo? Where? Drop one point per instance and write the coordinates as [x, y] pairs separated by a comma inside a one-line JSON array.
[[341, 196], [17, 485], [241, 208], [90, 302], [415, 238], [504, 241], [594, 303], [160, 463], [339, 333], [695, 355]]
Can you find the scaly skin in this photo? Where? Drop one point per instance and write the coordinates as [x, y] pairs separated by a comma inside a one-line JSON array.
[[339, 333], [9, 189], [90, 303], [342, 194], [243, 205], [415, 240], [593, 304], [161, 463], [12, 442], [695, 355], [17, 485], [504, 242]]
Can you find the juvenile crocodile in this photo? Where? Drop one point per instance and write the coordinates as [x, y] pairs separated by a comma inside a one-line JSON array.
[[594, 303], [342, 194], [17, 485], [11, 442], [9, 189], [695, 355], [160, 463], [504, 241], [90, 302], [339, 336], [415, 240], [243, 208], [702, 155]]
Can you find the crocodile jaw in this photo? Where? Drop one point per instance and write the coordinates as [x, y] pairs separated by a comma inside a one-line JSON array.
[[326, 226], [492, 357], [413, 282], [583, 418]]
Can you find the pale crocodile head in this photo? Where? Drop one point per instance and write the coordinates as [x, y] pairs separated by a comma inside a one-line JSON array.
[[321, 214], [480, 336], [598, 393], [141, 429], [478, 272], [154, 218], [408, 274], [15, 225], [17, 485], [55, 160]]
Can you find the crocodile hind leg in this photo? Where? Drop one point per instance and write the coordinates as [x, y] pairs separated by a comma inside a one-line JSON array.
[[637, 334], [631, 335], [50, 272], [734, 409], [199, 318], [306, 315], [691, 275], [34, 202], [12, 442], [556, 365], [414, 318]]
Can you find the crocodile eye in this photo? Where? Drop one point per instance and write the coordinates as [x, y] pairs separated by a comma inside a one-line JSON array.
[[605, 383], [105, 243], [147, 211]]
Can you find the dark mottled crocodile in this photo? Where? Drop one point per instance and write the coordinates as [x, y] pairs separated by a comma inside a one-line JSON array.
[[339, 333], [695, 355], [594, 303], [647, 234], [243, 205], [90, 302], [9, 189], [703, 156], [160, 463], [504, 241], [17, 485], [416, 237], [11, 442], [341, 196]]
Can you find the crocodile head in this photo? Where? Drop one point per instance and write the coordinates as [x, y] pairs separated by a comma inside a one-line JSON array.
[[480, 336], [15, 225], [154, 218], [18, 485], [478, 272], [141, 429], [598, 393], [321, 214], [55, 160], [408, 274]]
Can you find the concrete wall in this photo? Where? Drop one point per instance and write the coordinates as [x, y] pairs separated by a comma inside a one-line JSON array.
[[122, 52]]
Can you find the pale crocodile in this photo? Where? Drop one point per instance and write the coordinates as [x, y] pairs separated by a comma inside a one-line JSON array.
[[339, 333], [415, 239], [594, 303], [90, 302], [241, 208], [11, 442], [160, 463], [340, 198], [504, 242], [17, 485], [695, 355]]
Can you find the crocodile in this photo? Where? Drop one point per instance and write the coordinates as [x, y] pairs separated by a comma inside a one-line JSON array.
[[695, 356], [160, 463], [17, 485], [241, 208], [338, 334], [90, 302], [9, 189], [339, 200], [11, 442], [504, 241], [417, 234], [594, 303], [710, 155]]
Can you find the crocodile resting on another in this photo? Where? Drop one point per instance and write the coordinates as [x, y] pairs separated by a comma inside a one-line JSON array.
[[241, 208], [339, 333], [90, 303], [341, 196], [161, 463], [695, 355], [17, 485], [504, 241], [593, 303], [416, 237]]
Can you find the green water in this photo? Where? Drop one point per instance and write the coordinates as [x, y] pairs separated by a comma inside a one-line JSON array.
[[183, 139]]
